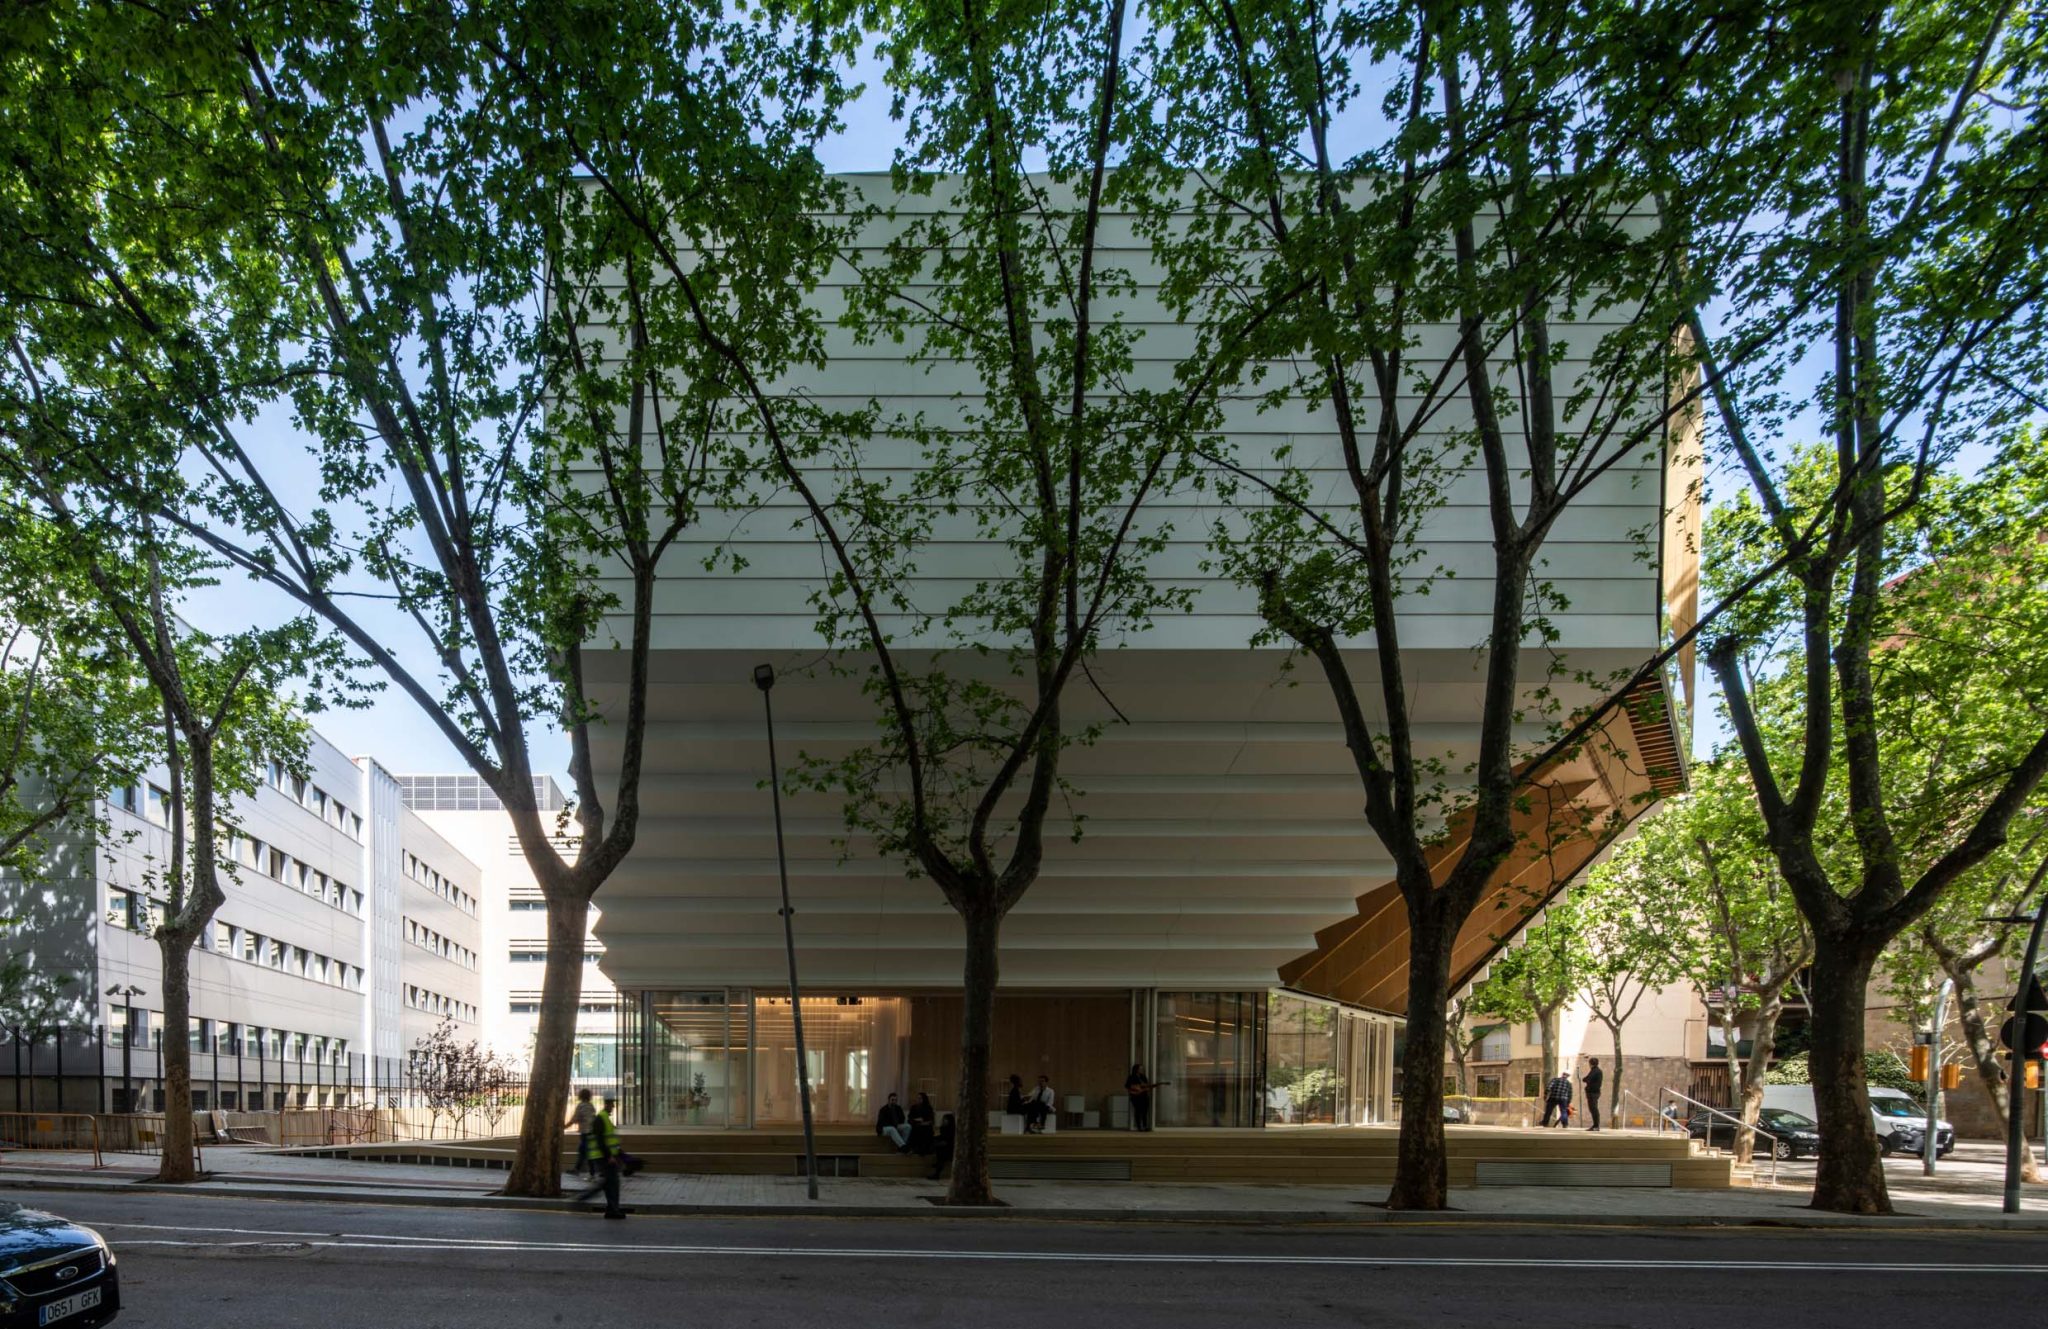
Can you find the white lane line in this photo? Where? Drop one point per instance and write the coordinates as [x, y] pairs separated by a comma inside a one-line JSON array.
[[281, 1232], [326, 1242]]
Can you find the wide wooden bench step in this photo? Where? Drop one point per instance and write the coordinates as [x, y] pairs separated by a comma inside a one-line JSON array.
[[1522, 1172]]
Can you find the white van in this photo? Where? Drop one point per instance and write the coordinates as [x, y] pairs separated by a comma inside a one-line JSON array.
[[1900, 1120]]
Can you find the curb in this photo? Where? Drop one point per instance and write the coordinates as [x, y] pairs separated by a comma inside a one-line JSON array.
[[1360, 1216]]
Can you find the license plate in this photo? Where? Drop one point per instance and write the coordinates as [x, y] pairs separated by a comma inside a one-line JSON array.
[[69, 1306]]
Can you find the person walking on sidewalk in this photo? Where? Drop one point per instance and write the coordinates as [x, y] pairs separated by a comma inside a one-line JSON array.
[[1557, 1098], [604, 1156], [580, 1117], [1592, 1080]]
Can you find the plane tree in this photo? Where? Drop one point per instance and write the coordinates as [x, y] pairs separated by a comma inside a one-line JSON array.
[[1897, 257], [410, 357], [1695, 897], [1545, 965], [1496, 303]]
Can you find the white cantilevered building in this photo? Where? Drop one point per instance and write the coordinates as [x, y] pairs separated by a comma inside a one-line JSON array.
[[1226, 917]]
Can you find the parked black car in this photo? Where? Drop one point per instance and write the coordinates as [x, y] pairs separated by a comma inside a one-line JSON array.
[[1796, 1136], [54, 1272]]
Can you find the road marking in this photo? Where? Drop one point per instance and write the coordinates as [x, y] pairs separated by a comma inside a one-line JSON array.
[[488, 1245]]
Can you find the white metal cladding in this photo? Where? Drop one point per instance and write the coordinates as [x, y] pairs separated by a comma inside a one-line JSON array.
[[386, 858], [1220, 828]]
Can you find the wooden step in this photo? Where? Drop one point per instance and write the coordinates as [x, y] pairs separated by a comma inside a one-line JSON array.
[[1290, 1156]]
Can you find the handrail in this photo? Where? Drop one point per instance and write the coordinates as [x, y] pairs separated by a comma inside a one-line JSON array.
[[1714, 1111], [1656, 1112]]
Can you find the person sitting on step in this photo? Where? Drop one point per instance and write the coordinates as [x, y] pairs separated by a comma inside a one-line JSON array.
[[1038, 1108], [891, 1126]]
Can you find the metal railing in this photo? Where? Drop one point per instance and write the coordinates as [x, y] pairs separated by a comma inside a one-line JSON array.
[[68, 1132], [1708, 1108], [143, 1133]]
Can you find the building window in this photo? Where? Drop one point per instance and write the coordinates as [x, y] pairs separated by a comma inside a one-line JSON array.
[[1494, 1047], [157, 806], [1532, 1084], [1488, 1085], [128, 799], [126, 910]]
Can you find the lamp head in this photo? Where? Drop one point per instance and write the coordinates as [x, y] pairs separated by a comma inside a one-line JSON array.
[[764, 677]]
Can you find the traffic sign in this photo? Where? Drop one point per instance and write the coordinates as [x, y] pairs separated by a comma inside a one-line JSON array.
[[2035, 1034], [2031, 1004]]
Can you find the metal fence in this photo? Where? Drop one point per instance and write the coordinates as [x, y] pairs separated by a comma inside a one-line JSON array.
[[84, 1070], [68, 1132], [143, 1133]]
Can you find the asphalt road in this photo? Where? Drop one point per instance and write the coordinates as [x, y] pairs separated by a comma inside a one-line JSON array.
[[189, 1262]]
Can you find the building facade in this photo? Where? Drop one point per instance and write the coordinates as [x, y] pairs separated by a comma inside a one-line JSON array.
[[1212, 903], [350, 929], [465, 810]]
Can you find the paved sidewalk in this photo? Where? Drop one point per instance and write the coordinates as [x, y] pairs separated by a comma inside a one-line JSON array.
[[1965, 1194]]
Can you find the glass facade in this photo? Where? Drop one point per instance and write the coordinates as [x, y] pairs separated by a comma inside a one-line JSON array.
[[1327, 1065], [726, 1057], [855, 1047], [1207, 1058]]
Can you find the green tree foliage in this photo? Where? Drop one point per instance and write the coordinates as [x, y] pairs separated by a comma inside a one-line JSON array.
[[426, 236], [222, 715], [1921, 796], [1486, 309], [1544, 966], [75, 718], [1620, 970], [1882, 1070], [1696, 897], [1053, 458], [1877, 222], [1971, 622]]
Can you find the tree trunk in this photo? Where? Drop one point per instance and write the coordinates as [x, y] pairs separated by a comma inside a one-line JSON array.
[[176, 1054], [1984, 1052], [1547, 1024], [195, 896], [1849, 1178], [977, 1025], [1421, 1174], [1731, 1039], [1614, 1090], [537, 1169], [1762, 1042], [1459, 1059]]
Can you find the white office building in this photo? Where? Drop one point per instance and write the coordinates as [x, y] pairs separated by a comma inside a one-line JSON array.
[[464, 810], [350, 930]]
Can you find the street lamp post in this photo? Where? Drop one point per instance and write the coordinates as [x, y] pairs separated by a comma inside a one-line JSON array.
[[764, 679], [127, 994]]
